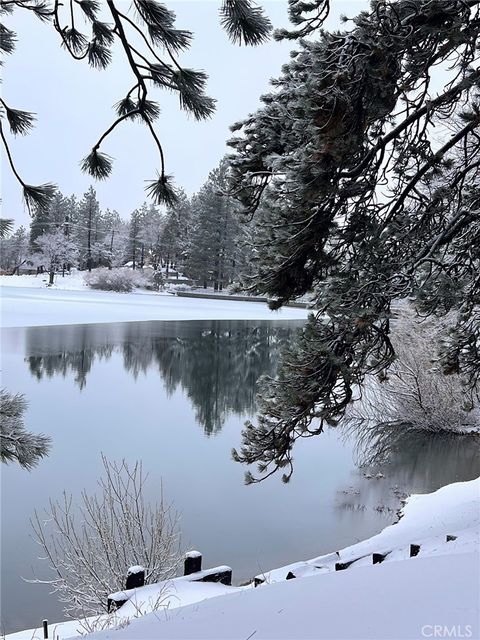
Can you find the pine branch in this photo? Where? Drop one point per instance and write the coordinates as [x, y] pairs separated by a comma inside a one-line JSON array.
[[38, 198], [243, 21], [103, 33], [7, 39], [75, 40], [162, 191], [96, 164], [175, 39], [99, 56], [21, 122], [125, 106], [90, 8]]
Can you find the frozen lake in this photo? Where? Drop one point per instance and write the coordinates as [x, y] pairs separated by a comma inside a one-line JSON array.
[[175, 395]]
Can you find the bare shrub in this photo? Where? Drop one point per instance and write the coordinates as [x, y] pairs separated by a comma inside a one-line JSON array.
[[91, 546], [121, 280], [415, 394]]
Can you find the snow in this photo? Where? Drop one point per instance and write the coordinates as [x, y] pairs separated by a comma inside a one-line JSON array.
[[70, 282], [394, 601], [135, 569], [27, 307], [166, 595], [193, 554], [435, 594], [425, 520]]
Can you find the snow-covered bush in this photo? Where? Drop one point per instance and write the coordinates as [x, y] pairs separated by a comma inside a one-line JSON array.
[[90, 546], [415, 394], [154, 281], [17, 444], [123, 280]]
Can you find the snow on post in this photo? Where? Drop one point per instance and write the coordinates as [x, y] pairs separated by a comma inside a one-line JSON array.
[[135, 577], [193, 562]]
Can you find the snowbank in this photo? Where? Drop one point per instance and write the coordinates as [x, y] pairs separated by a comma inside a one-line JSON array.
[[425, 520], [435, 594], [28, 307], [401, 601], [69, 282], [159, 598]]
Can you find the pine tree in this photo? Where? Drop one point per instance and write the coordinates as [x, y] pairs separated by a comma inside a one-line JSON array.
[[86, 228], [214, 232], [361, 171], [15, 251], [56, 215], [136, 238], [175, 232]]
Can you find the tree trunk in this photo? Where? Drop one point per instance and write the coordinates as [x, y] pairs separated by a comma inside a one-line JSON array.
[[89, 237], [51, 276]]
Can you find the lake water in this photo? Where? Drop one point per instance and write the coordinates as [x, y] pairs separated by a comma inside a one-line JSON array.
[[175, 395]]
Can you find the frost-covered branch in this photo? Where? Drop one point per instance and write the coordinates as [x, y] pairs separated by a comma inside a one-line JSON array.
[[17, 444], [91, 545]]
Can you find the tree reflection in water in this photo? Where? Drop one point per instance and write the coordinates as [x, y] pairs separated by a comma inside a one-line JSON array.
[[216, 363], [395, 462]]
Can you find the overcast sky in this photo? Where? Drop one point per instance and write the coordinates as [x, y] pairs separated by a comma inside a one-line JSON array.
[[73, 106]]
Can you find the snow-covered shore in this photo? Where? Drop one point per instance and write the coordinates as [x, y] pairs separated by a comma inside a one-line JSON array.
[[435, 594], [27, 306]]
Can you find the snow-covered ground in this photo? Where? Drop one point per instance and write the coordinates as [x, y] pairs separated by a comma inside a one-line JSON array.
[[70, 302], [433, 595]]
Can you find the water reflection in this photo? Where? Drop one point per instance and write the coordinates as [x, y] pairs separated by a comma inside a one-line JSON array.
[[132, 391], [393, 463], [216, 363]]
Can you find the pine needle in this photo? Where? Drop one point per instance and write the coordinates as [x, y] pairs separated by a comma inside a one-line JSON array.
[[162, 191], [98, 165]]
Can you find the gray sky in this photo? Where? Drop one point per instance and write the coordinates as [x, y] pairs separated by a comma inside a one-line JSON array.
[[73, 106]]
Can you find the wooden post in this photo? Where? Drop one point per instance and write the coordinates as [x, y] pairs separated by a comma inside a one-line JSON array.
[[223, 575], [414, 550], [378, 558], [450, 538], [135, 577], [45, 629], [193, 563], [341, 566]]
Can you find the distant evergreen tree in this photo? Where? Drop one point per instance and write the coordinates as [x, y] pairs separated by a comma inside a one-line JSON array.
[[136, 237], [15, 251], [87, 228], [175, 236], [115, 233], [214, 232], [59, 213], [152, 232]]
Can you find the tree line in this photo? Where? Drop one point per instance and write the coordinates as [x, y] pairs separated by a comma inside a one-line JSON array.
[[199, 236]]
